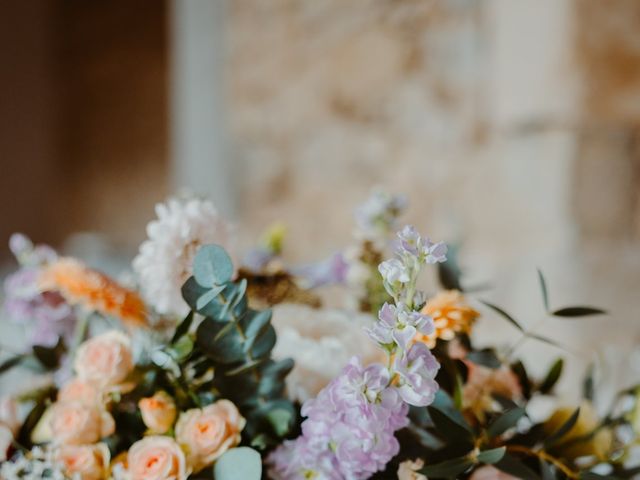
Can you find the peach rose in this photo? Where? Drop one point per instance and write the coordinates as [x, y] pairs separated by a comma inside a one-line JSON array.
[[408, 470], [78, 390], [105, 360], [209, 432], [156, 458], [88, 462], [158, 412], [76, 423]]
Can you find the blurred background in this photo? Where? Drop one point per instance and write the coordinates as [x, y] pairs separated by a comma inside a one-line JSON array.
[[512, 126]]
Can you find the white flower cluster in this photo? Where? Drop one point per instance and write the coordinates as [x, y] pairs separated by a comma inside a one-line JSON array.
[[165, 260], [37, 464]]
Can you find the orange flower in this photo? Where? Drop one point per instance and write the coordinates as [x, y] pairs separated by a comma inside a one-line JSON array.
[[80, 285], [450, 315]]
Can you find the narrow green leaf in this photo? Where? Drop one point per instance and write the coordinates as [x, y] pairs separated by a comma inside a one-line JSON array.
[[543, 288], [212, 266], [564, 429], [181, 349], [9, 363], [547, 471], [546, 340], [514, 466], [575, 312], [238, 463], [523, 377], [183, 327], [491, 456], [503, 314], [448, 469], [505, 421], [552, 377], [486, 357], [588, 384], [449, 428]]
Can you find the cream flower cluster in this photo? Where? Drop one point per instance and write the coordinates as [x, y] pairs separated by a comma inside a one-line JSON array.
[[165, 259]]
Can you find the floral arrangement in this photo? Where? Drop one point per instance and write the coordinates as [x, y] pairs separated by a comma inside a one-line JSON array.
[[199, 368]]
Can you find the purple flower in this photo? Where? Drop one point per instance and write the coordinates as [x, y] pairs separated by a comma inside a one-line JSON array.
[[416, 372], [409, 239], [330, 271], [399, 325], [349, 429], [377, 217], [433, 252], [394, 272]]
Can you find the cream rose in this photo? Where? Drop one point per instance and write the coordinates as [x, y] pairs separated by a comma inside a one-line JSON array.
[[76, 423], [105, 360], [156, 458], [209, 432], [88, 462], [158, 412], [78, 390]]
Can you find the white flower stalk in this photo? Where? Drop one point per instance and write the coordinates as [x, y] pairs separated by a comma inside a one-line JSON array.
[[165, 260]]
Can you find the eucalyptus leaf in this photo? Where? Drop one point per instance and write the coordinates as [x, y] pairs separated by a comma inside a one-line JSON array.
[[212, 266], [576, 312], [507, 420], [192, 291], [552, 377], [220, 341], [491, 456], [208, 296], [242, 463]]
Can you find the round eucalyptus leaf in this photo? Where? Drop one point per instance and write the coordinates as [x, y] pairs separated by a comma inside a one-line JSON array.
[[238, 463], [212, 266]]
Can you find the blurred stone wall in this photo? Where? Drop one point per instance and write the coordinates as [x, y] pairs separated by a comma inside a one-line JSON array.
[[512, 126]]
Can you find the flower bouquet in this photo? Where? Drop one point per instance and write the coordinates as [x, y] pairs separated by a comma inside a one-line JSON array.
[[196, 368]]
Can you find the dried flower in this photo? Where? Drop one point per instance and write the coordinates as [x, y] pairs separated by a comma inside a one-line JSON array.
[[451, 315], [80, 285], [483, 382], [165, 260]]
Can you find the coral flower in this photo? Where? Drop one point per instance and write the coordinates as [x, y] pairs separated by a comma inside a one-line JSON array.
[[450, 315], [80, 285]]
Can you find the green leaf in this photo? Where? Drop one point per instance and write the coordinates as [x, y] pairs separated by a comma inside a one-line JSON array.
[[574, 312], [9, 363], [504, 315], [588, 384], [208, 296], [514, 466], [543, 288], [49, 357], [220, 341], [486, 357], [523, 377], [491, 456], [564, 429], [450, 428], [181, 349], [552, 377], [505, 421], [596, 476], [183, 327], [212, 266], [192, 291], [546, 340], [547, 471], [449, 272], [448, 469], [238, 463], [280, 420]]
